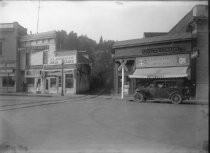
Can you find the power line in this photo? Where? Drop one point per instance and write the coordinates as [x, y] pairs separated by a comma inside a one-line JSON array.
[[38, 17]]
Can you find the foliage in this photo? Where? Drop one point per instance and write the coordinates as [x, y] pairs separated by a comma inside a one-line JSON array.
[[99, 54]]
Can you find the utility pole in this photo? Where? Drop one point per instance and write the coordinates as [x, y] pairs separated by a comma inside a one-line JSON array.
[[62, 94], [38, 18], [7, 82], [123, 68]]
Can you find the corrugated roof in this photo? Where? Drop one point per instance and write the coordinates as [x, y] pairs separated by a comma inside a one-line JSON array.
[[43, 35], [149, 40]]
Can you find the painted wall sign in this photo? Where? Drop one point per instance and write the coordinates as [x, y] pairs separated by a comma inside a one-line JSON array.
[[163, 61], [34, 48], [163, 50], [66, 60]]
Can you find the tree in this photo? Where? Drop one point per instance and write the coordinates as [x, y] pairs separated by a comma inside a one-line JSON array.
[[99, 55], [60, 38]]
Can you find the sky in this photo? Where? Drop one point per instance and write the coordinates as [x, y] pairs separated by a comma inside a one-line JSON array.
[[113, 20]]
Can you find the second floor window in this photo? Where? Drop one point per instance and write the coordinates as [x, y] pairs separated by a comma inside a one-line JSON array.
[[45, 57]]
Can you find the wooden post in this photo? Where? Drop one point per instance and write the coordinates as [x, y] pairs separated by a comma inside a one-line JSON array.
[[62, 94], [122, 82], [123, 68], [7, 82]]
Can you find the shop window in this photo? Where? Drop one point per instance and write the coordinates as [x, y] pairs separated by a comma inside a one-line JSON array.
[[30, 81], [52, 82], [8, 81], [69, 81], [59, 81]]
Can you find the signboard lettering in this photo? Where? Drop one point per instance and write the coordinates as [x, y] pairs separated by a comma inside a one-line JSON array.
[[34, 48], [164, 50], [6, 71], [33, 73], [66, 60], [163, 61]]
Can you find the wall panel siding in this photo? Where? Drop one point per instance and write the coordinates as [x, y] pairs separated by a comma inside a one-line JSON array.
[[202, 66]]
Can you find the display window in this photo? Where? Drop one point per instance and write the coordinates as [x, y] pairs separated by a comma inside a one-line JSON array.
[[8, 81]]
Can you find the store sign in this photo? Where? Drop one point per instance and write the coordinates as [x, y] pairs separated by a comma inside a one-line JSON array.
[[8, 64], [6, 71], [163, 61], [163, 50], [34, 48], [33, 73], [66, 60], [33, 66]]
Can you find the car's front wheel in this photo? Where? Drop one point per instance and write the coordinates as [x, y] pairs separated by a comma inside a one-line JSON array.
[[139, 97], [176, 98]]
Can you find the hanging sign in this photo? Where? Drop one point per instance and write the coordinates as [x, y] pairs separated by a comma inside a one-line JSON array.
[[162, 50], [195, 53]]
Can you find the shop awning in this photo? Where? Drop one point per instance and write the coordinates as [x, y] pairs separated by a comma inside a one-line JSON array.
[[168, 72]]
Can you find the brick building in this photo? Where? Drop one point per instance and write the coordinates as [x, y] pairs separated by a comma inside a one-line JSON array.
[[9, 57], [170, 55]]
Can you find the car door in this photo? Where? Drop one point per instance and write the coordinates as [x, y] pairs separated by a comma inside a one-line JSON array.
[[160, 90]]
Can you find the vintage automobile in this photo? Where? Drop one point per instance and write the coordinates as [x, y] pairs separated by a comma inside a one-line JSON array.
[[174, 90]]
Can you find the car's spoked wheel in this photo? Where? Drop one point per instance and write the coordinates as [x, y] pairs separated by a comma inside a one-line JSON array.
[[176, 98], [139, 97]]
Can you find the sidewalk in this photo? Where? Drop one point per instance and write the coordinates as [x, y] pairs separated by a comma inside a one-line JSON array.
[[106, 96], [32, 94], [131, 99]]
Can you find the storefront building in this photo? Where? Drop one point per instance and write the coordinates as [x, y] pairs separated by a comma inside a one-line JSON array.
[[46, 70], [9, 64], [181, 53]]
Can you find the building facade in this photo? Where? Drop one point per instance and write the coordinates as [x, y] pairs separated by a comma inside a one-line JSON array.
[[46, 70], [31, 63], [9, 56], [181, 53]]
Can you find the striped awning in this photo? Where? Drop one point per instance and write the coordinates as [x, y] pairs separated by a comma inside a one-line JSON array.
[[167, 72]]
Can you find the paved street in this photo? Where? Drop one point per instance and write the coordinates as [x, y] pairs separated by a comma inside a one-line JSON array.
[[95, 124]]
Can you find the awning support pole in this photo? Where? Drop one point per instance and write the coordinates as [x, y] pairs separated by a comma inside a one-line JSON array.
[[122, 82]]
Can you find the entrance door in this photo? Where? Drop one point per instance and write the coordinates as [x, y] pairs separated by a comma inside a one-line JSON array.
[[69, 83], [47, 85]]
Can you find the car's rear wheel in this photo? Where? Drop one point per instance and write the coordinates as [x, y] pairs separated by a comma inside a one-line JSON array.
[[139, 97], [176, 98]]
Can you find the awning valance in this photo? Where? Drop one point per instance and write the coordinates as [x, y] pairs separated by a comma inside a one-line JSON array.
[[167, 72]]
